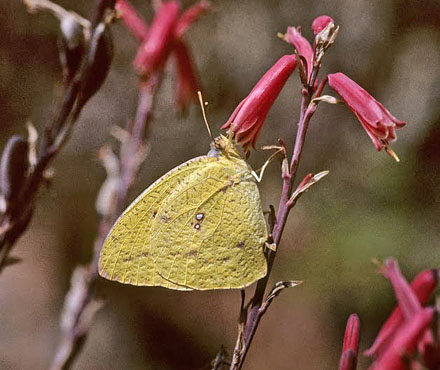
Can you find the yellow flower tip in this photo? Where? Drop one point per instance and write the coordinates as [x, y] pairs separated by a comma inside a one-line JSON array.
[[281, 36], [377, 262], [392, 153]]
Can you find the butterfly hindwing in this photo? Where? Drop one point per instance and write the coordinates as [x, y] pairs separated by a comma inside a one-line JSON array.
[[209, 233], [125, 256]]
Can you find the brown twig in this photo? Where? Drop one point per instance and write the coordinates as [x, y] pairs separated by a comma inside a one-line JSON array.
[[81, 303], [18, 212]]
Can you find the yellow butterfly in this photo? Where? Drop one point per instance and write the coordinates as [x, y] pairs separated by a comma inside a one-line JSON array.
[[200, 226]]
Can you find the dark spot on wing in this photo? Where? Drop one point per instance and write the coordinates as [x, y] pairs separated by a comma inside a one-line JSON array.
[[197, 226], [240, 245], [200, 216], [154, 214], [192, 253], [164, 218]]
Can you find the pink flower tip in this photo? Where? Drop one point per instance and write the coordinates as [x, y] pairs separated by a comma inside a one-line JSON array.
[[154, 51], [132, 20], [408, 302], [294, 37], [248, 118], [377, 121], [187, 81], [320, 23], [190, 16]]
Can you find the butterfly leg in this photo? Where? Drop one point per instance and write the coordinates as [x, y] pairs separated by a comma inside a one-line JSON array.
[[279, 150]]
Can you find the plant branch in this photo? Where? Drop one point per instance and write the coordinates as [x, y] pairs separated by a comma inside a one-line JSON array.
[[257, 308], [18, 213], [81, 303]]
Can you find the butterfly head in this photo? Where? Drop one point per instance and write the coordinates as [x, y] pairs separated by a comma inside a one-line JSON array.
[[223, 145]]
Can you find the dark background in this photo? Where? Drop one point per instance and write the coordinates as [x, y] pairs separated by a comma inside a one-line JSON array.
[[368, 207]]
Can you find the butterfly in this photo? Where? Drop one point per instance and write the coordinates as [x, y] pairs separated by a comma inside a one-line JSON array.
[[200, 226]]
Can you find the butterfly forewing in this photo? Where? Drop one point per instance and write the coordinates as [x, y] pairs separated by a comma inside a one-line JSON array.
[[125, 256], [209, 233]]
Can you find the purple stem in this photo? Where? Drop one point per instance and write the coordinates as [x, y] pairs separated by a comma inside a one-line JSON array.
[[255, 312], [74, 337]]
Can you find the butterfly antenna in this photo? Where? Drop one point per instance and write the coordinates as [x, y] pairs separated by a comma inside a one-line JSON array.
[[202, 105]]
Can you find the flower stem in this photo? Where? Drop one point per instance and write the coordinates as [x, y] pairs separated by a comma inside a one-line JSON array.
[[255, 312], [83, 305]]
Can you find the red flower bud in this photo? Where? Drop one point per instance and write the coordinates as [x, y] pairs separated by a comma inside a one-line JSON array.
[[352, 334], [248, 118], [293, 36], [154, 51], [422, 285], [132, 20], [377, 121], [187, 82], [404, 342], [320, 23], [350, 347]]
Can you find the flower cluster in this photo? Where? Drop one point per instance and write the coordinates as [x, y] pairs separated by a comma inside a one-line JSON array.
[[164, 38], [406, 340], [247, 119]]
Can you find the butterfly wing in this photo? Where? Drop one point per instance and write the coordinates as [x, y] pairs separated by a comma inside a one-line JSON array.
[[125, 255], [209, 234]]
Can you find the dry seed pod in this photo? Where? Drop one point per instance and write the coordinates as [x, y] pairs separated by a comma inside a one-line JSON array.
[[99, 57], [13, 167], [71, 46]]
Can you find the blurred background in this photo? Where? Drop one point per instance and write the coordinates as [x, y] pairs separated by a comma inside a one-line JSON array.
[[368, 207]]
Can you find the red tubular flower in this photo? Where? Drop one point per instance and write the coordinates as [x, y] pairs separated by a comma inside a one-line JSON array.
[[377, 121], [408, 302], [154, 51], [404, 342], [320, 23], [132, 20], [293, 36], [165, 36], [187, 83], [190, 16], [350, 347], [248, 118], [422, 286]]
